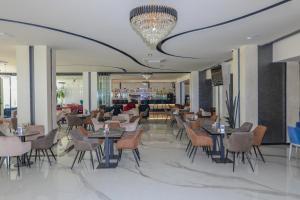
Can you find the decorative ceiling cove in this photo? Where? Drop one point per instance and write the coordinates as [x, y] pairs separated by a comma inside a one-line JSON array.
[[96, 35]]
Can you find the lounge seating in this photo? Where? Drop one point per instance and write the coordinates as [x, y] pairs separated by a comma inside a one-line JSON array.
[[258, 135], [11, 146], [130, 142], [43, 144], [294, 135], [239, 142]]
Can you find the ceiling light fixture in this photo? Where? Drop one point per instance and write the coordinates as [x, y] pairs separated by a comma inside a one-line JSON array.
[[153, 22], [147, 76]]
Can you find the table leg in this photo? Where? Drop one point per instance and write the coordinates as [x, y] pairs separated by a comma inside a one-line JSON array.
[[108, 152], [222, 158]]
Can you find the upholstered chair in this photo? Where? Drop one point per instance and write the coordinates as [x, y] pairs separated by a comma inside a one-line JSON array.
[[294, 135], [113, 124], [35, 128], [86, 133], [13, 123], [130, 142], [97, 125], [11, 146], [246, 127], [199, 140], [81, 145], [180, 126], [73, 121], [239, 142], [129, 127], [258, 135], [44, 144]]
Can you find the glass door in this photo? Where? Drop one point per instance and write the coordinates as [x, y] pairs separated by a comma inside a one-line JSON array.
[[8, 101]]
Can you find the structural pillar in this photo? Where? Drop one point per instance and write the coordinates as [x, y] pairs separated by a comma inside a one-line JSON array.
[[36, 75], [194, 91], [245, 83], [90, 91]]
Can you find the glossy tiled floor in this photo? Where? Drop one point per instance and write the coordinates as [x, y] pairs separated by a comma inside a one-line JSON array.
[[165, 173]]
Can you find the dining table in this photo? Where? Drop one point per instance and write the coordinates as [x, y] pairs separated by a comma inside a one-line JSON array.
[[218, 138], [110, 159]]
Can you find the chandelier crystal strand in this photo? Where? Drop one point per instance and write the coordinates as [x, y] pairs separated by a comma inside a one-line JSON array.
[[153, 22]]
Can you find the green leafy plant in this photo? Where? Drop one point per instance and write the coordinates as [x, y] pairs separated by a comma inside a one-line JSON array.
[[232, 105], [60, 95]]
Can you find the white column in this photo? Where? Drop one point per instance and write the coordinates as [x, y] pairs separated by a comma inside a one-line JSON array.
[[94, 90], [177, 92], [23, 84], [86, 90], [194, 91], [182, 84], [249, 84], [44, 69], [292, 94], [90, 91]]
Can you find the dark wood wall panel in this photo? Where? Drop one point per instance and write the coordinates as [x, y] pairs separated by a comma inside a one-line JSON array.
[[271, 95], [205, 92]]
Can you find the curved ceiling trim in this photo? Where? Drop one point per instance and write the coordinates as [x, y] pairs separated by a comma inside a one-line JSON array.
[[80, 36], [123, 69], [159, 45]]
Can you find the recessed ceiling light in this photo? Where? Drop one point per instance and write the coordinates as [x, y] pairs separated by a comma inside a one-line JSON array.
[[3, 34], [249, 38]]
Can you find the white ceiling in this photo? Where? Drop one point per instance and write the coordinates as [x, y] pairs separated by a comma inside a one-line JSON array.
[[108, 21]]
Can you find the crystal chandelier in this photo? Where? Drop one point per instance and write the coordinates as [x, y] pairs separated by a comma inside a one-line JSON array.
[[153, 22]]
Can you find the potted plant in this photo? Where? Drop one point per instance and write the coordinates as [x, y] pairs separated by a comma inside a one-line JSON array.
[[232, 105]]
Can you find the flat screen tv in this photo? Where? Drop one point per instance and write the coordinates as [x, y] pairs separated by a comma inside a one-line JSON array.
[[216, 76]]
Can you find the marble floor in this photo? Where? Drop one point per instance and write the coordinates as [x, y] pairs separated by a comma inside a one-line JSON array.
[[165, 173]]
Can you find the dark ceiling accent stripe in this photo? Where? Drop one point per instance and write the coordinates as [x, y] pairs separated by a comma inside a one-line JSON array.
[[159, 45], [80, 36], [123, 69], [68, 74]]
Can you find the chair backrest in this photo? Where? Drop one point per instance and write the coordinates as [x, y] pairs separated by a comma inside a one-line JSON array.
[[73, 120], [113, 124], [294, 135], [179, 121], [12, 146], [14, 123], [240, 142], [246, 127], [49, 139], [258, 134], [76, 135], [214, 118]]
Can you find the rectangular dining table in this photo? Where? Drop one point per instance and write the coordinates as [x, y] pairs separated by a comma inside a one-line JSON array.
[[110, 158], [215, 134]]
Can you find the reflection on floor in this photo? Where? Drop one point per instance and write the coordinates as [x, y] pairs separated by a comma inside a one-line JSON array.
[[165, 173]]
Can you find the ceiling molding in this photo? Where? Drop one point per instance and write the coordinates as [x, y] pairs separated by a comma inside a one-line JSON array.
[[82, 37], [123, 69], [159, 46]]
